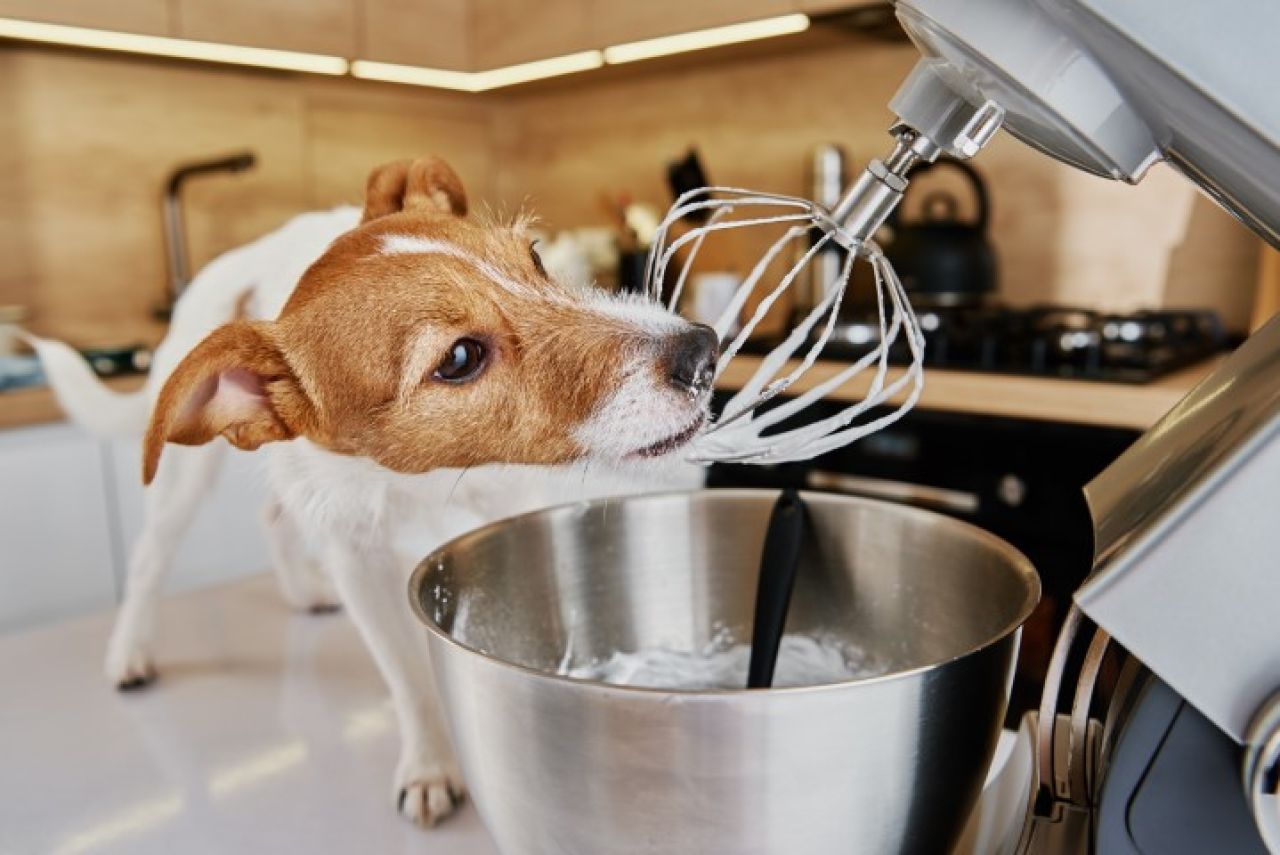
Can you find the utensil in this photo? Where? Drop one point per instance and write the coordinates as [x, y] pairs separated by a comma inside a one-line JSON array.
[[889, 763], [779, 561], [631, 266], [688, 180], [827, 177]]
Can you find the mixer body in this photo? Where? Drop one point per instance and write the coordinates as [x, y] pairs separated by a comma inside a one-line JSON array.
[[1184, 573], [1114, 86]]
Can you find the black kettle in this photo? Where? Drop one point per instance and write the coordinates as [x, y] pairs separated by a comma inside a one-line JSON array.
[[941, 259]]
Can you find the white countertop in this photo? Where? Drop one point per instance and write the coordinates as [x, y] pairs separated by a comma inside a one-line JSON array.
[[268, 731]]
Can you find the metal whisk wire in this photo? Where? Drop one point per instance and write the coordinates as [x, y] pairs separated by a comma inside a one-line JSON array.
[[740, 434]]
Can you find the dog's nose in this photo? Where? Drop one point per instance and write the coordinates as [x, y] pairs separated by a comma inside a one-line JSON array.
[[691, 358]]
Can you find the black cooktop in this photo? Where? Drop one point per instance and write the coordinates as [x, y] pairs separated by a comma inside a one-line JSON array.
[[1045, 341]]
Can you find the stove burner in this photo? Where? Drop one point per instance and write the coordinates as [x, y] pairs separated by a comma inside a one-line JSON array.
[[1053, 341]]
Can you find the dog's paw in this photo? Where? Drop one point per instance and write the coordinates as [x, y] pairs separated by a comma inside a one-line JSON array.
[[319, 599], [428, 797], [310, 592], [130, 670]]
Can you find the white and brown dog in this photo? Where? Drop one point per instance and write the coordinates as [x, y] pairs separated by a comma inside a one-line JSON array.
[[419, 344]]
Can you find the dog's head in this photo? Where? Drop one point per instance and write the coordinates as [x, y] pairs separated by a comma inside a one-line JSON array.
[[422, 339]]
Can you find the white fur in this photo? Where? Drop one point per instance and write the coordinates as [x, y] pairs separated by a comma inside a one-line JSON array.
[[364, 525], [413, 245], [635, 416], [643, 410], [638, 311]]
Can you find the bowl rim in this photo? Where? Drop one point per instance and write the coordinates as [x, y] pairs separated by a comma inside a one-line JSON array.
[[1018, 561]]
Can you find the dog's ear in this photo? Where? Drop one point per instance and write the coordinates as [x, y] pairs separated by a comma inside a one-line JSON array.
[[427, 185], [233, 383]]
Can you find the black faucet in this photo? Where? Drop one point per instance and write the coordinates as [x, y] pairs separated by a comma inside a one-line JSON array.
[[174, 227]]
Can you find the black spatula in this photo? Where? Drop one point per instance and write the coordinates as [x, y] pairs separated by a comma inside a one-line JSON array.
[[778, 563]]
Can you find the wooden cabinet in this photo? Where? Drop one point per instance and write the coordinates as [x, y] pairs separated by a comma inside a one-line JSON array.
[[818, 7], [312, 26], [452, 34], [71, 508], [130, 16], [56, 549], [617, 22], [434, 33], [508, 32]]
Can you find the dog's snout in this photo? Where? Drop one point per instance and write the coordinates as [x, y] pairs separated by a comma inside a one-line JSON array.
[[691, 358]]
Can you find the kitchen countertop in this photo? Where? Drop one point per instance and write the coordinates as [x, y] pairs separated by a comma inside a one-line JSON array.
[[1136, 406], [22, 407], [1091, 402], [268, 731]]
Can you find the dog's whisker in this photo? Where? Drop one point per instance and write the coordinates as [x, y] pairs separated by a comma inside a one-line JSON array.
[[456, 481]]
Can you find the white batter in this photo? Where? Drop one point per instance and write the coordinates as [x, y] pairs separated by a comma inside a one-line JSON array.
[[802, 661]]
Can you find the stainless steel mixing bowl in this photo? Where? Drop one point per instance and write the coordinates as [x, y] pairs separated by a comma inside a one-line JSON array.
[[886, 764]]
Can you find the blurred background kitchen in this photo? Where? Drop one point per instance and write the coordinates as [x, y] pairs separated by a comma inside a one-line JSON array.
[[1058, 331], [101, 222]]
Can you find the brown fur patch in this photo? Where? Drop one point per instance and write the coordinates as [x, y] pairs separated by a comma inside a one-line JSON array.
[[427, 185], [237, 384]]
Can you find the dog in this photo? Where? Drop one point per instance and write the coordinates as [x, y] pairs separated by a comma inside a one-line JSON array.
[[403, 363]]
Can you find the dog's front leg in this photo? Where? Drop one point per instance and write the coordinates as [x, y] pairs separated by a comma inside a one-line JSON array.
[[305, 585], [372, 585], [170, 507]]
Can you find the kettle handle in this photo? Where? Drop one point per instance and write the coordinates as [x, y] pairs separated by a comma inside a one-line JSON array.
[[975, 181]]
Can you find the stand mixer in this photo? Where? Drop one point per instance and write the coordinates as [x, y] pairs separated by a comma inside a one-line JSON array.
[[1185, 755]]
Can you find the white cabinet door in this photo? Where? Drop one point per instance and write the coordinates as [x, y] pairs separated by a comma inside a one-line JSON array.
[[225, 542], [56, 553]]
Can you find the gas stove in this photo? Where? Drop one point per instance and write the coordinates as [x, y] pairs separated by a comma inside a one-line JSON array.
[[1050, 341]]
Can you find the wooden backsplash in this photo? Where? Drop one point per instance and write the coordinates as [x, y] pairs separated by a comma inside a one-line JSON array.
[[88, 140]]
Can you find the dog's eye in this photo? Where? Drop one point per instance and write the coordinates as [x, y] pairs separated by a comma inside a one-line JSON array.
[[537, 259], [464, 362]]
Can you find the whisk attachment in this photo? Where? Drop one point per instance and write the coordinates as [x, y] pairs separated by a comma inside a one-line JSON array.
[[741, 434]]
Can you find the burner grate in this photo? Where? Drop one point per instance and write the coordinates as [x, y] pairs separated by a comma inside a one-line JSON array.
[[1046, 341]]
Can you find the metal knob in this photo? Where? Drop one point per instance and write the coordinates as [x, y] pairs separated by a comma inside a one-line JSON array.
[[1262, 772], [1012, 490]]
